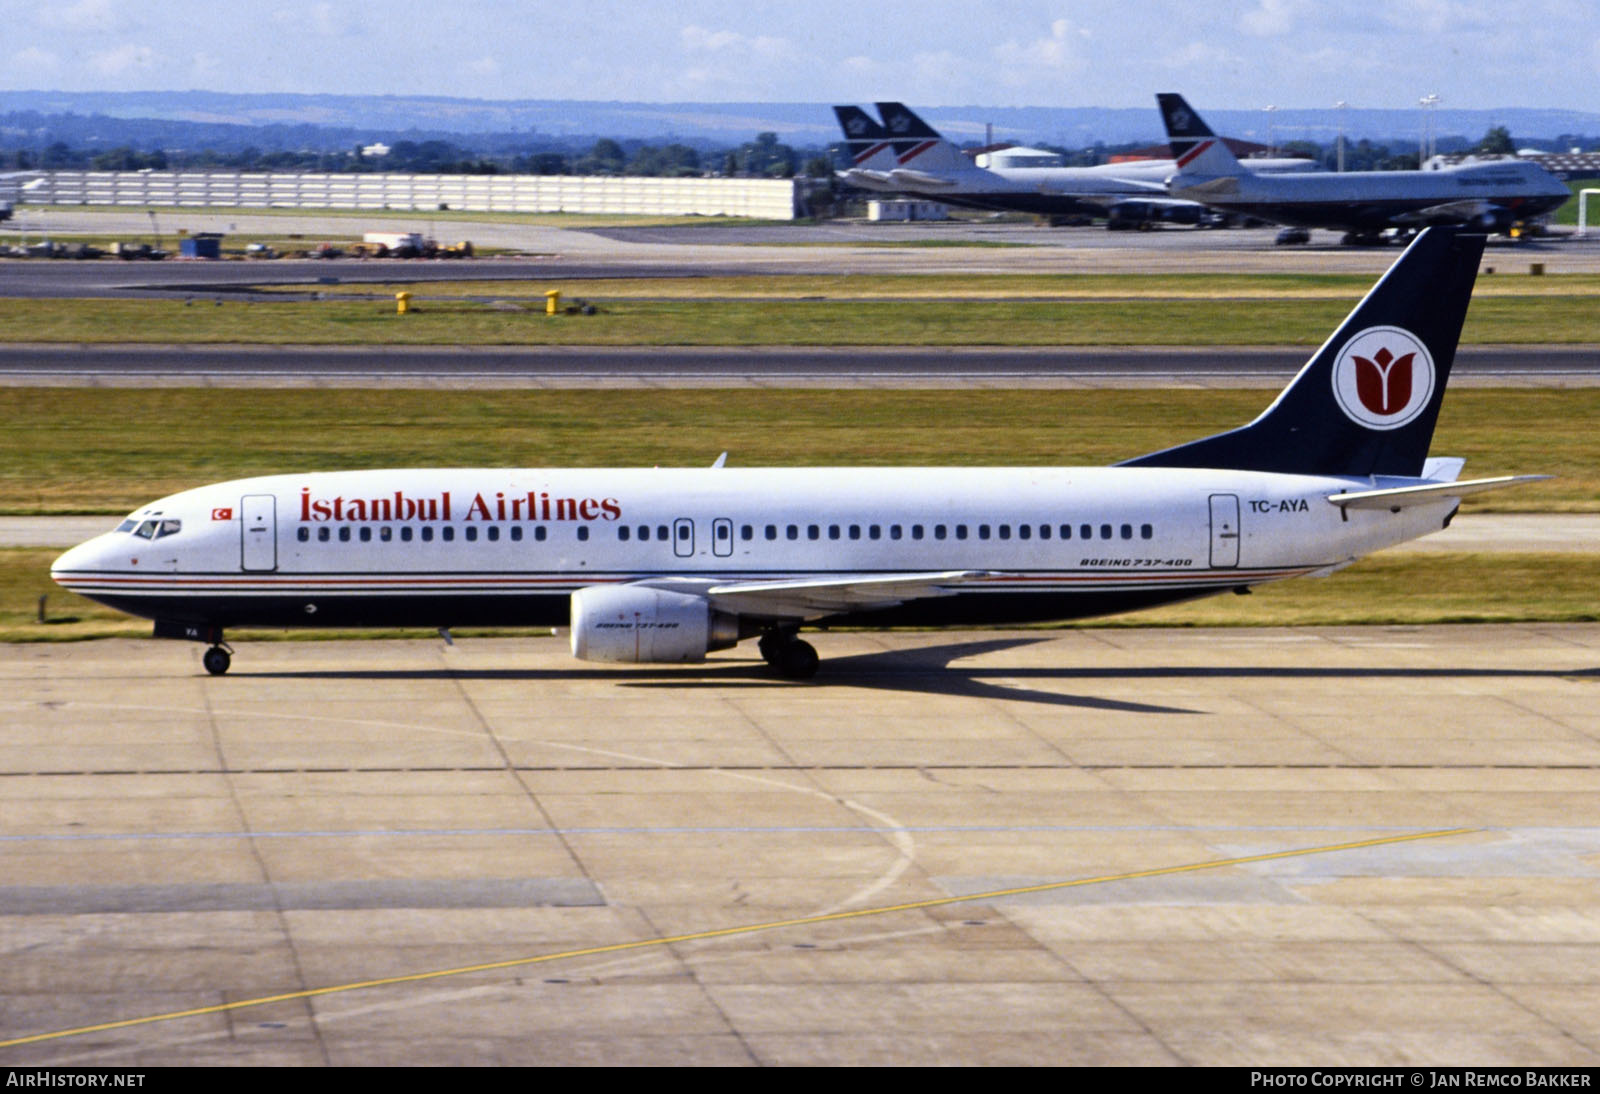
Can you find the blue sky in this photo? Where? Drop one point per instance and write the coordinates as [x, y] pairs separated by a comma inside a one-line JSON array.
[[1222, 54]]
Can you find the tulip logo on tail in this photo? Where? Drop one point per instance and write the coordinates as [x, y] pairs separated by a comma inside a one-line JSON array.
[[1383, 378]]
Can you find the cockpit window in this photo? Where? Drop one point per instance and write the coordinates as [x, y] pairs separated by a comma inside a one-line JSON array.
[[169, 528], [147, 530], [128, 525]]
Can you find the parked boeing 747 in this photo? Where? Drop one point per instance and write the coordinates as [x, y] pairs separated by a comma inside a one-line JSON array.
[[666, 565], [906, 155], [1487, 197]]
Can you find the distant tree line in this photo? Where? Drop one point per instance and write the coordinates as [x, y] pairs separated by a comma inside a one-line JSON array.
[[293, 149], [763, 157]]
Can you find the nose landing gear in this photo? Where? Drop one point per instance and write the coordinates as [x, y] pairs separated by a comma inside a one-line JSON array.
[[217, 659]]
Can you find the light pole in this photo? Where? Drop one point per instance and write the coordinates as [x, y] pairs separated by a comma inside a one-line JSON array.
[[1272, 144], [1341, 106], [1429, 103]]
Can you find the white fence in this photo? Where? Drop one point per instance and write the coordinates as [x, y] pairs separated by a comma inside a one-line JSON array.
[[769, 199]]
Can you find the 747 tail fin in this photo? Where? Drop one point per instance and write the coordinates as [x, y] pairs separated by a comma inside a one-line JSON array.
[[1199, 153]]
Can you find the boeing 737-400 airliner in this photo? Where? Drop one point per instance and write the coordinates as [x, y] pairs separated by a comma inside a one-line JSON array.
[[665, 565]]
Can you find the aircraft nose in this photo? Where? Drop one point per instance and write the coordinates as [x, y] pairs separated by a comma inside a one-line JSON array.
[[87, 555]]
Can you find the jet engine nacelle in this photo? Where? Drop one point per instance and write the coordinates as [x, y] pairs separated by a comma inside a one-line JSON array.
[[1493, 221], [636, 623]]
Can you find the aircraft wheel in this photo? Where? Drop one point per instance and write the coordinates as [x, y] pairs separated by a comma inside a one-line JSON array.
[[797, 660], [770, 647], [216, 660]]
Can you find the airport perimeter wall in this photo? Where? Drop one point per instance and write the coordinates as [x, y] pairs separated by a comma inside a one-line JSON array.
[[768, 199]]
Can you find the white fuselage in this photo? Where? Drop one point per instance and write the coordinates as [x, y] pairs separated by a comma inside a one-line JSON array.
[[479, 546]]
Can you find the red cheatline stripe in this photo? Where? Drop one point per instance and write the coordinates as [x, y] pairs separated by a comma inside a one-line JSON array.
[[917, 151], [1188, 157], [862, 157]]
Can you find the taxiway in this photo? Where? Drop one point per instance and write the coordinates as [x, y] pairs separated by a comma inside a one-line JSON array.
[[1329, 846]]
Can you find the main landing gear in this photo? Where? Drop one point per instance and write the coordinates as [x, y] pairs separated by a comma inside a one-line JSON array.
[[785, 651]]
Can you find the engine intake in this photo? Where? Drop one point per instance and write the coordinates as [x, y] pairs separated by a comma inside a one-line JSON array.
[[636, 623]]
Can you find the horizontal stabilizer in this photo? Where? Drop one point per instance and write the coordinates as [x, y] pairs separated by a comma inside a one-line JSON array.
[[1402, 497]]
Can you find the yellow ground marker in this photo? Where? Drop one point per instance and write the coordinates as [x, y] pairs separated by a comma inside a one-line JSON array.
[[727, 932]]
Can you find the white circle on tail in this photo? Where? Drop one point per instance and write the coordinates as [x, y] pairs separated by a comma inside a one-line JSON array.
[[1383, 378]]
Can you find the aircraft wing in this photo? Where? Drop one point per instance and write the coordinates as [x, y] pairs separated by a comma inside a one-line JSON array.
[[907, 177], [813, 598], [1401, 497], [860, 176], [1450, 211]]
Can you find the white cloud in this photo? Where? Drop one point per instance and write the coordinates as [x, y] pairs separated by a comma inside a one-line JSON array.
[[34, 59], [333, 21], [484, 66], [698, 39], [123, 60], [1272, 18], [1059, 51], [87, 15], [1200, 55]]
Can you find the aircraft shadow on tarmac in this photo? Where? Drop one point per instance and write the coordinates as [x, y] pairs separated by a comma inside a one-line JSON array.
[[931, 670]]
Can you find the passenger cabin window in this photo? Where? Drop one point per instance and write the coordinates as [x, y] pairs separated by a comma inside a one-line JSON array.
[[583, 532], [471, 532]]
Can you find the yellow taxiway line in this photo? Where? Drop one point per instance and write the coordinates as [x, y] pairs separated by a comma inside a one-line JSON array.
[[727, 932]]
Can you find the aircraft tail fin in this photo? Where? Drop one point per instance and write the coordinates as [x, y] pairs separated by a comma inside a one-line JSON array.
[[1198, 152], [1367, 400], [917, 145], [866, 141]]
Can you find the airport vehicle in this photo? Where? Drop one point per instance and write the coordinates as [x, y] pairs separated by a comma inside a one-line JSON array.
[[666, 565], [1497, 197], [904, 154]]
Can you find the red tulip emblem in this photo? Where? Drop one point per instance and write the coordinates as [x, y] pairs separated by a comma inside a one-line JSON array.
[[1383, 381]]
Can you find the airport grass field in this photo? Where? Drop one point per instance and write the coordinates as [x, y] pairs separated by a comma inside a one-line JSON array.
[[93, 450], [1395, 589], [106, 450], [1024, 310]]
